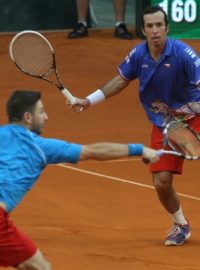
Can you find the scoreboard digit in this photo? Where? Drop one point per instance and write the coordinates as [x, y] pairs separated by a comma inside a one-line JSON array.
[[184, 17]]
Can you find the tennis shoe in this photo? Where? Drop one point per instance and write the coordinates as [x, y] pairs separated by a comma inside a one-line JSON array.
[[177, 235], [79, 31], [121, 31]]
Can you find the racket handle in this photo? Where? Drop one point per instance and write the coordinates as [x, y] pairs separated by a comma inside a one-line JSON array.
[[159, 154], [68, 95]]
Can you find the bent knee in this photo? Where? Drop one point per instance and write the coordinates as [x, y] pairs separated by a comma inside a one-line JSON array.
[[162, 180]]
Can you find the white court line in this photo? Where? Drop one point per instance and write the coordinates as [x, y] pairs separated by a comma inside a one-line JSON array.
[[116, 160], [123, 180], [120, 160]]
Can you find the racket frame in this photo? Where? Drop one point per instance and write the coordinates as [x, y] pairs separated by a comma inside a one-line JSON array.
[[167, 142], [59, 85]]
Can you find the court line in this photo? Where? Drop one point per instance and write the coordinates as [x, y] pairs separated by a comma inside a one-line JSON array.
[[119, 160], [116, 160], [122, 180]]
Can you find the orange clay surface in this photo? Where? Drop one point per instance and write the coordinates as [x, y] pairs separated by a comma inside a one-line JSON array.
[[99, 215]]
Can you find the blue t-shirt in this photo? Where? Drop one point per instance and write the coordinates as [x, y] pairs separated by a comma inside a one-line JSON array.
[[23, 156], [169, 83]]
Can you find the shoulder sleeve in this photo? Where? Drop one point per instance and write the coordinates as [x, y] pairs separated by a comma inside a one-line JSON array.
[[129, 68], [58, 151], [191, 62]]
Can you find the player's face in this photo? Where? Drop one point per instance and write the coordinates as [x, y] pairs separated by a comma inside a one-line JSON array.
[[39, 117], [155, 30]]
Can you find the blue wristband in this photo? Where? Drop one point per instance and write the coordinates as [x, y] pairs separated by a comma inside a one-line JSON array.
[[135, 149]]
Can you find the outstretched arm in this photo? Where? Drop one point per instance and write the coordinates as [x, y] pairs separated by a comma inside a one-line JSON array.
[[110, 151], [111, 88]]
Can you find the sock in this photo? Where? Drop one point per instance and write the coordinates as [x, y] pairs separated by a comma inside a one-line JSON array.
[[179, 218], [84, 23], [118, 23]]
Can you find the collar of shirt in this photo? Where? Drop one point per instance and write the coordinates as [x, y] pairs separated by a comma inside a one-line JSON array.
[[166, 52]]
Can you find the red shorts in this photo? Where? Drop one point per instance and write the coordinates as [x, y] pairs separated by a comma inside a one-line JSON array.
[[15, 247], [169, 162]]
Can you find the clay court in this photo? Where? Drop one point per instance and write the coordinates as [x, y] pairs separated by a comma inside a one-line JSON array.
[[99, 215]]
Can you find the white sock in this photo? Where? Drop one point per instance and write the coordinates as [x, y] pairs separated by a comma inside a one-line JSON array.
[[118, 23], [84, 23], [179, 218]]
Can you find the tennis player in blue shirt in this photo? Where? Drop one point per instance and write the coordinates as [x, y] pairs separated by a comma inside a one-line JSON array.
[[23, 156], [169, 74]]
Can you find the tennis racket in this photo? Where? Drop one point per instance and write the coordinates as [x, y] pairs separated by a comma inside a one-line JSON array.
[[182, 139], [33, 54]]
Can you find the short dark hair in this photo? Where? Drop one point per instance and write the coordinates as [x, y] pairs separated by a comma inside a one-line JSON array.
[[21, 101], [153, 9]]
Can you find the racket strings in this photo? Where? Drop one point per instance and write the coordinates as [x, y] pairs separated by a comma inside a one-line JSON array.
[[183, 140], [33, 55]]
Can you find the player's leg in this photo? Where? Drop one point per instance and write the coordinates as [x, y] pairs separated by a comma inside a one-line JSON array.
[[80, 29], [36, 262], [16, 249], [82, 10], [163, 184], [169, 199], [163, 172], [121, 30], [119, 8]]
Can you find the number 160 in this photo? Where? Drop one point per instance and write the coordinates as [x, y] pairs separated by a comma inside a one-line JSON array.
[[180, 10]]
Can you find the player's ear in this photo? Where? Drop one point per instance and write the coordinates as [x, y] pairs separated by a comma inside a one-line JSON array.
[[27, 118], [167, 28], [143, 32]]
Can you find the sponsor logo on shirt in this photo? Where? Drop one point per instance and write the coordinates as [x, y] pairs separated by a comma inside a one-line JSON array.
[[145, 66]]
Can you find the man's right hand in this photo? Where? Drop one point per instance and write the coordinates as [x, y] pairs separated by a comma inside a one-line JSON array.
[[150, 155], [79, 104]]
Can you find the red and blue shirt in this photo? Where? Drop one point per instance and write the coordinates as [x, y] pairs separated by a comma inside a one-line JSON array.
[[168, 85]]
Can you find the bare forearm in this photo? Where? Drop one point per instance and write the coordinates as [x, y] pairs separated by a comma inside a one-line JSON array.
[[104, 151], [110, 151], [115, 86]]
